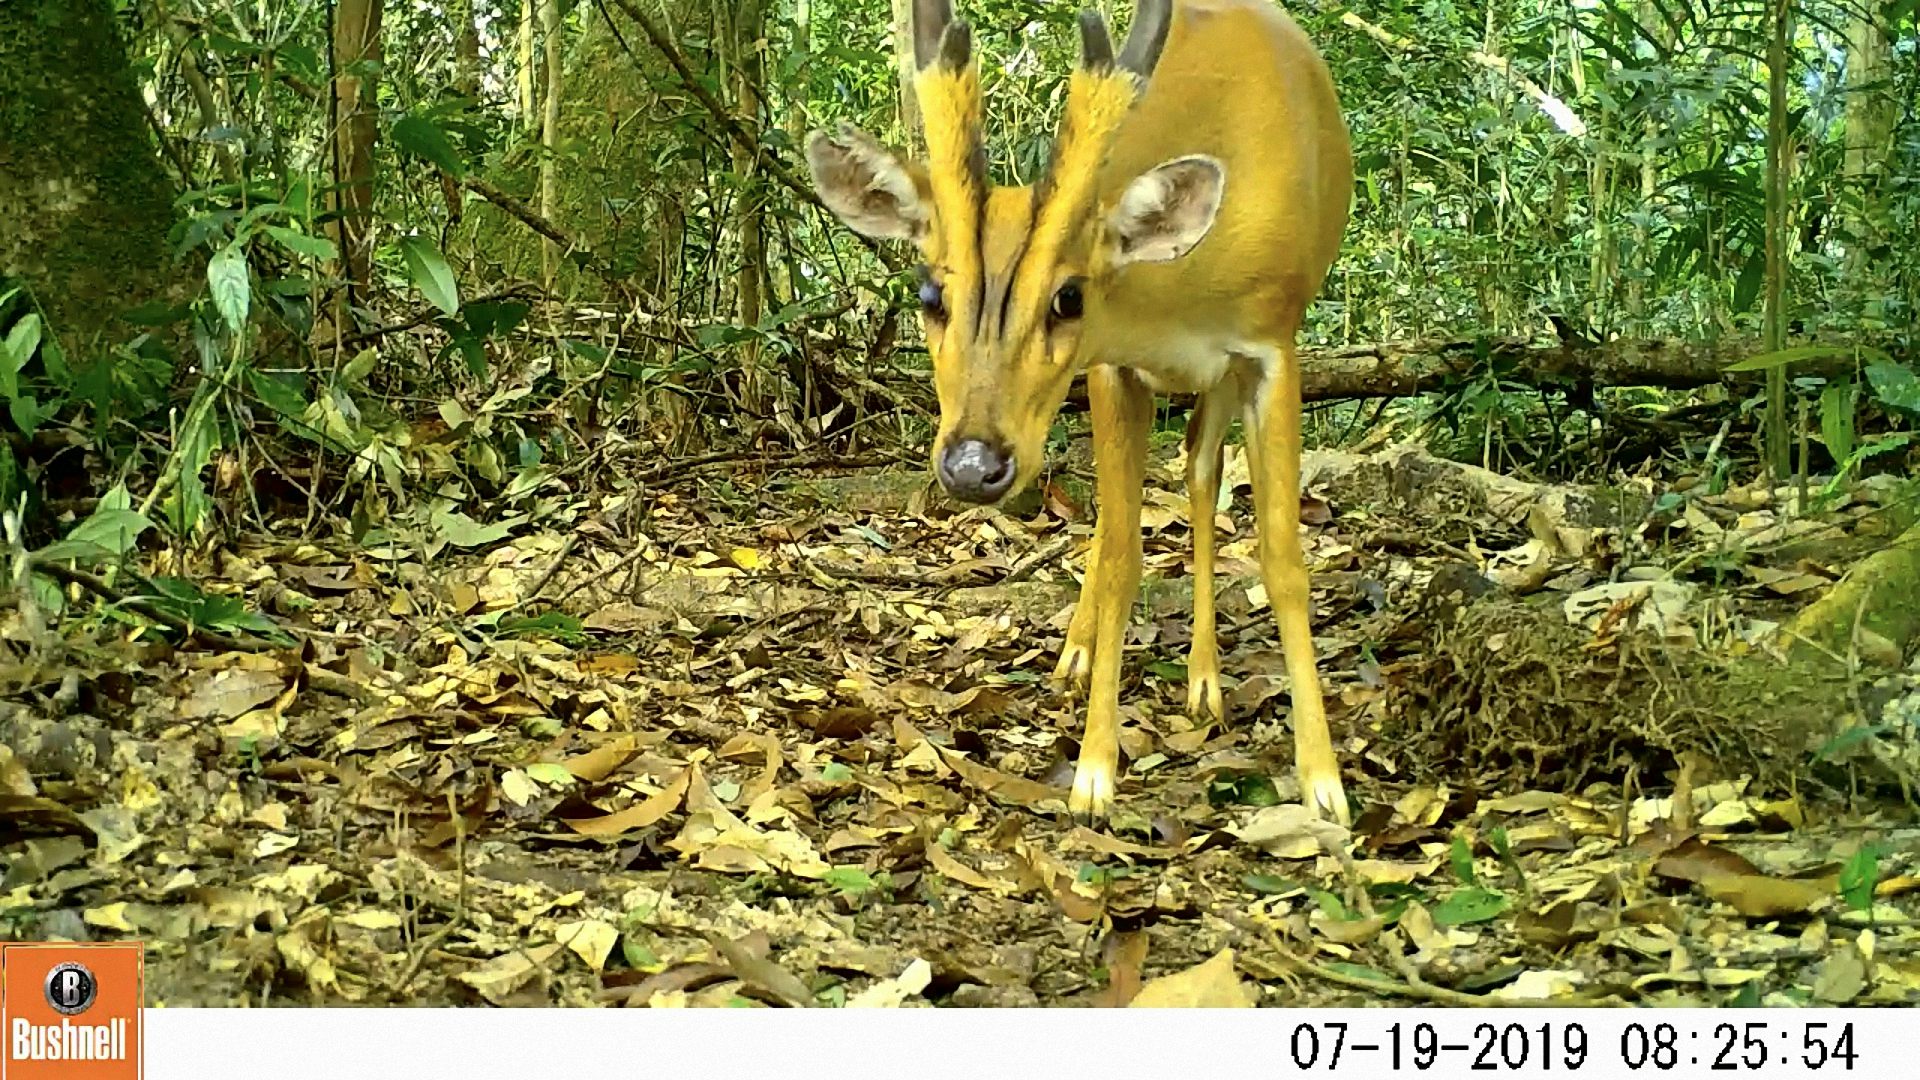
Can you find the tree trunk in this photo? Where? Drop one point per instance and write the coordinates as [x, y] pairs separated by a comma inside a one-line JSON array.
[[749, 87], [904, 67], [1406, 368], [1638, 321], [1778, 444], [84, 203], [466, 50], [550, 252], [356, 53], [523, 72], [1870, 116]]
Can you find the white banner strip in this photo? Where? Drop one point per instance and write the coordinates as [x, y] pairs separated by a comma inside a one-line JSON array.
[[530, 1044]]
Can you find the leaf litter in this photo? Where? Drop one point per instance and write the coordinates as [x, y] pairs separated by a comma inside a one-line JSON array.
[[793, 754]]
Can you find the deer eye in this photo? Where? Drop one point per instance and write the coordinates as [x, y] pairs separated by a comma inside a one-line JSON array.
[[1068, 302], [932, 299]]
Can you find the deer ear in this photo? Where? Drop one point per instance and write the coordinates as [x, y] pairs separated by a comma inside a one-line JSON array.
[[1166, 210], [868, 186]]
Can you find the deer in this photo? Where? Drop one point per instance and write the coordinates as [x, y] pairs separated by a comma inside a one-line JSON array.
[[1192, 205]]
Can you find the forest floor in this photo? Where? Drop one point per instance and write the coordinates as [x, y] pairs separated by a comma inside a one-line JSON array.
[[766, 737]]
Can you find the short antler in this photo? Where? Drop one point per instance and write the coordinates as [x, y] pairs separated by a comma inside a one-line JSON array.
[[1147, 36], [1096, 48], [937, 37]]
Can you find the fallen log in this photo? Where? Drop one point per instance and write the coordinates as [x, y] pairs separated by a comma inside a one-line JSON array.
[[1402, 369], [1407, 368], [1870, 614]]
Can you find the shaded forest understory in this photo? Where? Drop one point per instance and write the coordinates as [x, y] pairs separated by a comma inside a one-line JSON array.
[[472, 538], [795, 744]]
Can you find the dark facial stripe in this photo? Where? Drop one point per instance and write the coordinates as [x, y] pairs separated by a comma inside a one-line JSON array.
[[1019, 258], [978, 162]]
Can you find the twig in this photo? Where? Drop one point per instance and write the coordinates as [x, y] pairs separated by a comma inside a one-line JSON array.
[[434, 940], [429, 313], [532, 219], [99, 587], [1024, 569], [799, 460]]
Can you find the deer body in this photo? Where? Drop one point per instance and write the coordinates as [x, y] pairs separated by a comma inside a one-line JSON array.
[[1195, 201], [1241, 83]]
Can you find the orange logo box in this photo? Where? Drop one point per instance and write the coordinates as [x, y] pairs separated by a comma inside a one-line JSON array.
[[71, 1011]]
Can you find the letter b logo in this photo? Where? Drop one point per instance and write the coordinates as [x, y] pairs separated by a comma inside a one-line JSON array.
[[71, 989]]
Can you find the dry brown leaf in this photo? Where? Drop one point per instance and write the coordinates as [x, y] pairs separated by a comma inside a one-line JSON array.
[[230, 692], [641, 814], [1212, 984], [23, 816], [1758, 896], [592, 940], [1290, 831], [1842, 976], [747, 744], [1002, 785], [599, 763], [890, 993], [1421, 806], [610, 665], [1050, 875], [952, 868], [1897, 886], [497, 979], [1347, 931], [1526, 802], [1082, 836], [748, 958], [847, 722], [1125, 953], [1693, 860], [1541, 985]]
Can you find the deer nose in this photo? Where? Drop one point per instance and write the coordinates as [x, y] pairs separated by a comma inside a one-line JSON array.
[[975, 470]]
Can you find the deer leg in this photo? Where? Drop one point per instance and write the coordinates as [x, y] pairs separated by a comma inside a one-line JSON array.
[[1122, 416], [1274, 439], [1206, 428]]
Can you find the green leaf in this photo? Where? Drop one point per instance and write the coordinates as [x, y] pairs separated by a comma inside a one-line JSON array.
[[48, 594], [1836, 419], [1268, 884], [109, 532], [16, 350], [1783, 357], [849, 880], [462, 531], [1894, 386], [431, 273], [1348, 968], [1329, 905], [313, 247], [1859, 876], [1746, 288], [358, 368], [227, 278], [1462, 860], [1848, 739], [548, 624], [277, 393], [27, 412], [199, 438], [1469, 905], [421, 137]]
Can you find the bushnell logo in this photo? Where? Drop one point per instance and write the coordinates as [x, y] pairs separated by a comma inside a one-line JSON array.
[[71, 989]]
